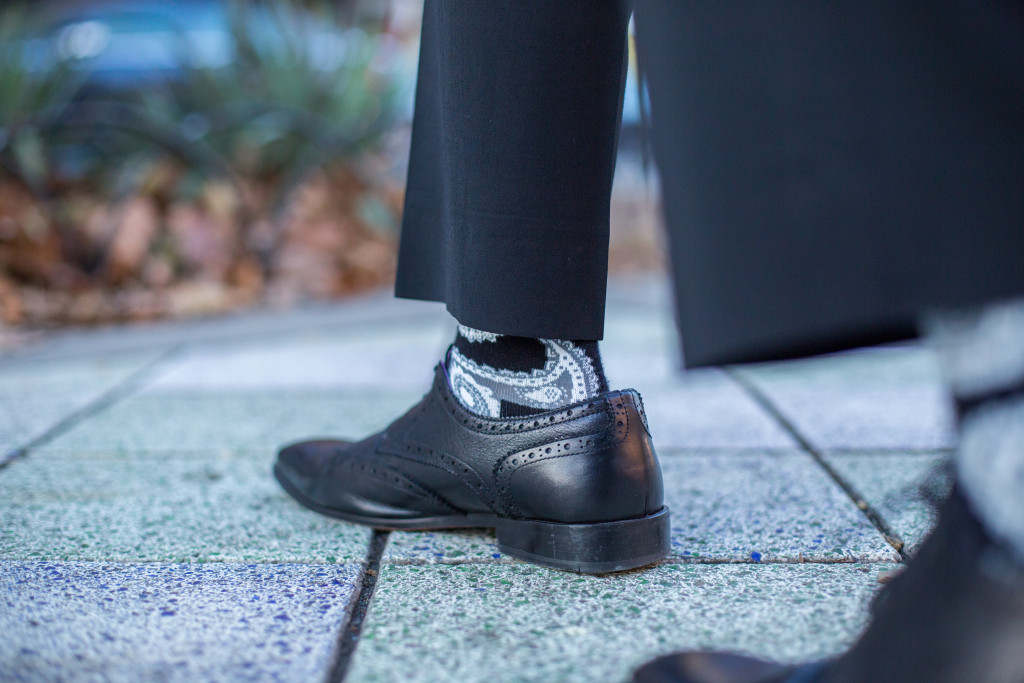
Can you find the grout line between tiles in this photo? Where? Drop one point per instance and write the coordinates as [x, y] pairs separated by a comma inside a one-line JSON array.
[[415, 562], [351, 630], [872, 515]]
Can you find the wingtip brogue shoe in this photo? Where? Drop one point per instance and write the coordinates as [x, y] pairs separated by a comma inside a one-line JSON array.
[[578, 488]]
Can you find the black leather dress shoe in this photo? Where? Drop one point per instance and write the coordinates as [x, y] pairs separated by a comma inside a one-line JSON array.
[[578, 488], [956, 614]]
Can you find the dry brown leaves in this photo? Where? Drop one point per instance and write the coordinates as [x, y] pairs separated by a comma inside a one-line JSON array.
[[83, 260]]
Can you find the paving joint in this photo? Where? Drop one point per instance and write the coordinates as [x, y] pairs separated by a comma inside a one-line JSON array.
[[457, 562], [872, 515], [122, 389], [348, 637]]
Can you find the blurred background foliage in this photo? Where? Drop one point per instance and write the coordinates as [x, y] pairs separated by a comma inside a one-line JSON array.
[[163, 159]]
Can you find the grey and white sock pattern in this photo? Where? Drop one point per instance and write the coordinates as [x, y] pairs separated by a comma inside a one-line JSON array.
[[568, 375]]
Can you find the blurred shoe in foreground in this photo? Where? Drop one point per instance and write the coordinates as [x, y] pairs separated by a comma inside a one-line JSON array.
[[957, 613]]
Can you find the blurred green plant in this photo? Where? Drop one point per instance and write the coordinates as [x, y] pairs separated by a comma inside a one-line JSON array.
[[299, 93], [36, 90], [300, 90]]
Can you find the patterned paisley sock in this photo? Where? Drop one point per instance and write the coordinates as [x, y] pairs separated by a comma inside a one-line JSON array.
[[498, 375]]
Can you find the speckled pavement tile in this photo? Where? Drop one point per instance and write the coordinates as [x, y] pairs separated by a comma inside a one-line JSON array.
[[523, 623], [191, 622], [384, 358], [224, 508], [881, 399], [734, 507], [444, 547], [198, 423], [35, 396], [639, 349], [706, 409], [695, 409], [902, 487], [764, 507]]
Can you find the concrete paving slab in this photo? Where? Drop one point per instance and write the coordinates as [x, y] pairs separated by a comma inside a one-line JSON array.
[[219, 508], [693, 409], [444, 547], [36, 396], [353, 315], [878, 399], [384, 358], [145, 622], [645, 290], [902, 487], [522, 623], [640, 347], [737, 507], [25, 418], [706, 409], [764, 507], [193, 424], [696, 409]]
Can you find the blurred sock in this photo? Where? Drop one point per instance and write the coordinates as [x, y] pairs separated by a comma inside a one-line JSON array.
[[983, 355], [496, 375]]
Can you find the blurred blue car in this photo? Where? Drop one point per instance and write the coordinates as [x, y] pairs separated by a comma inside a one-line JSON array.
[[130, 43]]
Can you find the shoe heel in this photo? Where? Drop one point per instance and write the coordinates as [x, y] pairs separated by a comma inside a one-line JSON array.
[[587, 548]]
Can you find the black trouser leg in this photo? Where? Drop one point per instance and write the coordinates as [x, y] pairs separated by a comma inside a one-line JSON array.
[[518, 107]]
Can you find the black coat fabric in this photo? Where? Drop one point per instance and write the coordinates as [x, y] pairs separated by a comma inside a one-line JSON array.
[[830, 171]]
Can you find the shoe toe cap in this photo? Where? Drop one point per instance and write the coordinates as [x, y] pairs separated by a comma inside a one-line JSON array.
[[308, 459]]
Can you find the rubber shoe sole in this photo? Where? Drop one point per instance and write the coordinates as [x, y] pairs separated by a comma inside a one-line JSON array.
[[597, 548]]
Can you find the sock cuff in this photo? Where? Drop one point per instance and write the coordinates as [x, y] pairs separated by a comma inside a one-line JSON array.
[[506, 376], [473, 335]]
